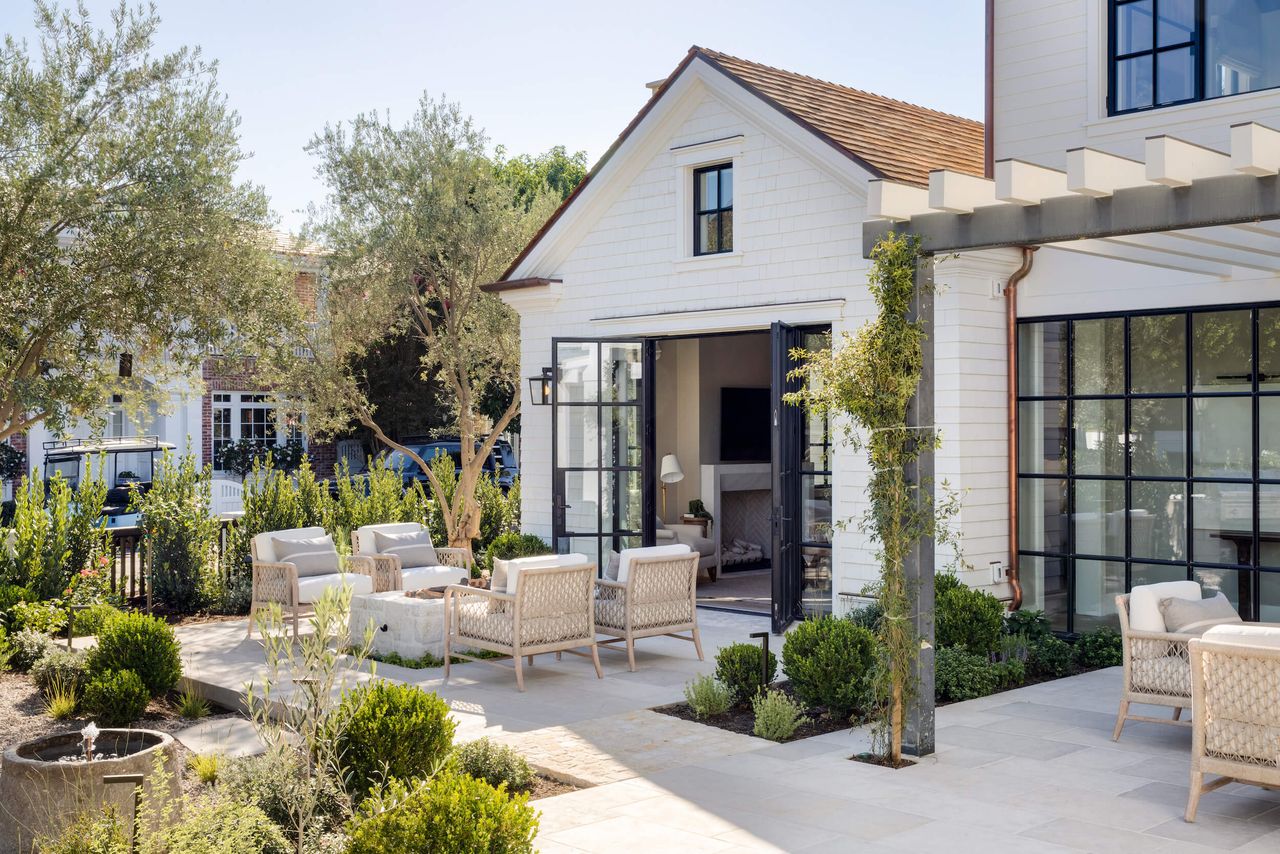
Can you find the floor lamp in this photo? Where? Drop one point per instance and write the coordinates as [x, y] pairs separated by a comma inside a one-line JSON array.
[[670, 473]]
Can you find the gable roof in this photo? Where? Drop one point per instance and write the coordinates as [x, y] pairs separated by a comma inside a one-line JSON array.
[[888, 138]]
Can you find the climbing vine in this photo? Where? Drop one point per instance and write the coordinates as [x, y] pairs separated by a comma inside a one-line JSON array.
[[870, 380]]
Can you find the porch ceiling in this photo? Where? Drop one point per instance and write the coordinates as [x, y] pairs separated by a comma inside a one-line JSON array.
[[1185, 207]]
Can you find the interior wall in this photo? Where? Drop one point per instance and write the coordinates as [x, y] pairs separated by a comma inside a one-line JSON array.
[[690, 374]]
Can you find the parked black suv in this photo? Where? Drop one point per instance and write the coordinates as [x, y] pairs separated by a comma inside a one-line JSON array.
[[411, 472]]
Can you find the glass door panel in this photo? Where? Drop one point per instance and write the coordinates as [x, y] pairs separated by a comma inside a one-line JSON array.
[[600, 447]]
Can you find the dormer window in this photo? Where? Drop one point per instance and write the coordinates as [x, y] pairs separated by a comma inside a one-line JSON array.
[[1165, 52], [713, 209]]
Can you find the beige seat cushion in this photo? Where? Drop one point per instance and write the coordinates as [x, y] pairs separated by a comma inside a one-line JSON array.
[[312, 588], [1194, 616], [422, 577], [1144, 603], [1245, 634], [312, 555]]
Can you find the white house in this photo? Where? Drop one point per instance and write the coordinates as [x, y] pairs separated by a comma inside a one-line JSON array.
[[720, 230], [1133, 143]]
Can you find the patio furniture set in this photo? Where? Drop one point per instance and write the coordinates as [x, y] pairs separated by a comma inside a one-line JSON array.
[[421, 599], [1189, 653]]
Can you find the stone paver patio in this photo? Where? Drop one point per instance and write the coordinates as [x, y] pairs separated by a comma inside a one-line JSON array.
[[1028, 770]]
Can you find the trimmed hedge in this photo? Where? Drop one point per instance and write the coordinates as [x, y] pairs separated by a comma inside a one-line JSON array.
[[738, 668], [141, 643], [389, 730], [829, 662]]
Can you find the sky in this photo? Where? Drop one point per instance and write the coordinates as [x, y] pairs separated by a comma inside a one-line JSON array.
[[537, 73]]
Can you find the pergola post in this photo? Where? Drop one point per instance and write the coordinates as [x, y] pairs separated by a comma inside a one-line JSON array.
[[918, 731]]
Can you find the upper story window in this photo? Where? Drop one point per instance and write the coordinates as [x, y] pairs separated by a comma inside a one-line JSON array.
[[713, 209], [1166, 52]]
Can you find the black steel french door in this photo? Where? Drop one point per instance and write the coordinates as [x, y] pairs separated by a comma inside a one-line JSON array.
[[602, 441], [788, 430]]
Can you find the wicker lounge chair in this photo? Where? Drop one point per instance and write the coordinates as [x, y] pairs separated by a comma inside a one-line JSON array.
[[295, 576], [543, 609], [1235, 674], [390, 571], [655, 594]]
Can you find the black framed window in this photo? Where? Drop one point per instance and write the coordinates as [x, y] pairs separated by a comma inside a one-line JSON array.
[[713, 209], [1164, 52], [1149, 450]]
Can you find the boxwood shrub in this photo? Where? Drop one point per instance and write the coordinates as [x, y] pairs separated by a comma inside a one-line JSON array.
[[738, 668], [1102, 647], [391, 730], [829, 662], [1049, 658], [968, 618], [143, 644], [961, 675], [115, 698]]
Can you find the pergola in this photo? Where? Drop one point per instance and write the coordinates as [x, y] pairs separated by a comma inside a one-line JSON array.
[[1184, 207]]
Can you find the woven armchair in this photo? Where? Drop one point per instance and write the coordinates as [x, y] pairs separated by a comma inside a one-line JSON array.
[[1156, 672], [1235, 675], [550, 611], [658, 597], [389, 569], [277, 582]]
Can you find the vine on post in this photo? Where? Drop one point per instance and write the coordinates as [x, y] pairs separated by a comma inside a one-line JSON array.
[[870, 380]]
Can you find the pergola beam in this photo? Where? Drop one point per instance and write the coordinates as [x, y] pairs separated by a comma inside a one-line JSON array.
[[1220, 200], [1120, 250]]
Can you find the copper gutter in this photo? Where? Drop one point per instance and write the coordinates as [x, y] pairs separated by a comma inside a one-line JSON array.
[[1011, 358]]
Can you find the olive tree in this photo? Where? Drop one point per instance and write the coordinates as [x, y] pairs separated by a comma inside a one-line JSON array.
[[417, 218], [125, 240]]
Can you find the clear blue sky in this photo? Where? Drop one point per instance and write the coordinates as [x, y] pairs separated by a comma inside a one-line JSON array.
[[536, 73]]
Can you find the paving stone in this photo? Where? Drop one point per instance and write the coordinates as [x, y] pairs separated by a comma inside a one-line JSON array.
[[229, 737]]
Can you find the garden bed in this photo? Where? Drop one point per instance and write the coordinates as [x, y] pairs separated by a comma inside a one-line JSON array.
[[549, 787], [741, 719]]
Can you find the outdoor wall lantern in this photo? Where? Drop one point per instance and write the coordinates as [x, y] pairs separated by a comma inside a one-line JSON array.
[[540, 388]]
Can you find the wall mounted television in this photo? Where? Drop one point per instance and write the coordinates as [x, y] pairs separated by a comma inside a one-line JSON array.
[[745, 425]]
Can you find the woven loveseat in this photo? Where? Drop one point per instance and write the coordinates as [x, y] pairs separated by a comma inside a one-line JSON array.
[[284, 570], [654, 594]]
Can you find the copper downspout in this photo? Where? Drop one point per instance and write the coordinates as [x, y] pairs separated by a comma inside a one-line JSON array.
[[1011, 357]]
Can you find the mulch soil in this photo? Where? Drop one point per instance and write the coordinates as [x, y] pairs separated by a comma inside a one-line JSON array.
[[741, 719], [546, 787]]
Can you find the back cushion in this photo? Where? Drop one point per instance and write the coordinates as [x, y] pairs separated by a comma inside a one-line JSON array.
[[412, 547], [312, 556], [515, 567], [1144, 603], [1192, 616], [628, 555]]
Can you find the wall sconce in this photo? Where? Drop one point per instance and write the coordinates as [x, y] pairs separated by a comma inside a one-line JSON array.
[[540, 388]]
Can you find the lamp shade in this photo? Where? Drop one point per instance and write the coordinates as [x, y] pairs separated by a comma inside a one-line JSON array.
[[671, 471]]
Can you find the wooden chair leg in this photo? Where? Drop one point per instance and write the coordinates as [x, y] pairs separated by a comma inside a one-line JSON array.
[[519, 660], [1193, 799], [448, 657], [1120, 718], [253, 606], [697, 642], [595, 659], [631, 654], [1177, 713], [529, 658], [557, 656]]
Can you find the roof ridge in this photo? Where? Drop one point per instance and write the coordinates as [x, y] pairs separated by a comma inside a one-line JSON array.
[[716, 54]]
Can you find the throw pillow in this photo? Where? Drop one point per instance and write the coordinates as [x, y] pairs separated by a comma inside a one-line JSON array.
[[312, 556], [1194, 616], [414, 548]]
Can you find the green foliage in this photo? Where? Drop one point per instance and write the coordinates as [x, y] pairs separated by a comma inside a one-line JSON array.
[[191, 705], [1009, 674], [241, 456], [420, 663], [555, 171], [182, 534], [830, 663], [777, 715], [60, 700], [969, 618], [13, 463], [961, 675], [1033, 625], [867, 385], [28, 646], [10, 595], [90, 621], [133, 153], [58, 667], [90, 833], [453, 814], [140, 643], [944, 582], [868, 616], [47, 617], [276, 783], [221, 826], [1102, 647], [707, 696], [391, 730], [115, 697], [496, 764], [57, 531], [206, 766], [739, 667], [1049, 658], [511, 545]]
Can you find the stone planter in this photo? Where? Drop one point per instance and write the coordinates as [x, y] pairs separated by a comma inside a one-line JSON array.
[[40, 795]]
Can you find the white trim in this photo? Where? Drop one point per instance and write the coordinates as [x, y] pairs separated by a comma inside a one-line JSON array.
[[713, 261], [724, 318], [687, 158], [237, 404]]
